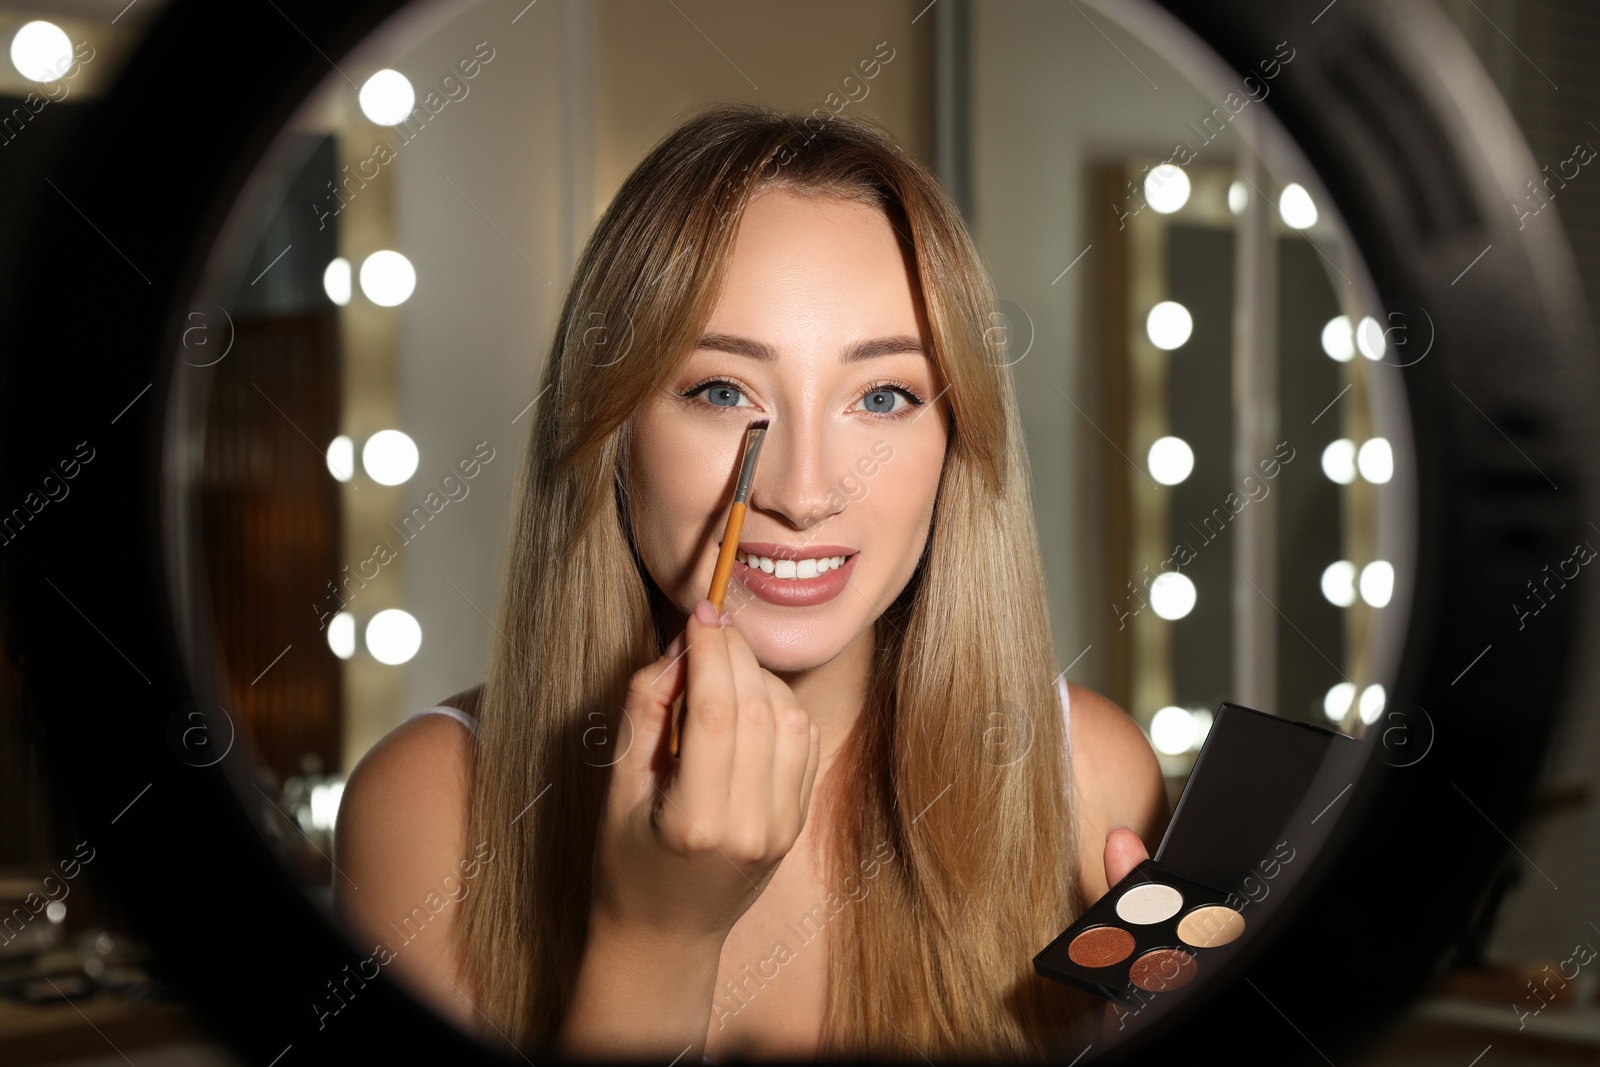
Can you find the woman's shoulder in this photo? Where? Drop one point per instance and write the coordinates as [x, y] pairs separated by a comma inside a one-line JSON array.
[[424, 750], [400, 835], [1116, 776], [407, 798]]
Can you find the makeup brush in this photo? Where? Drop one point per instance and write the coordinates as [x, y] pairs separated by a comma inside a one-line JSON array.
[[754, 434]]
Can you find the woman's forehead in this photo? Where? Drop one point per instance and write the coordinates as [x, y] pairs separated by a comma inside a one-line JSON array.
[[807, 264]]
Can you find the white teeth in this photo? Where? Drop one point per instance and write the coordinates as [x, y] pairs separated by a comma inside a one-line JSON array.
[[788, 568]]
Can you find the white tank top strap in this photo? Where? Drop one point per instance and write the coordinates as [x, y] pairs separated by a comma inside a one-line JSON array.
[[1066, 716], [455, 713]]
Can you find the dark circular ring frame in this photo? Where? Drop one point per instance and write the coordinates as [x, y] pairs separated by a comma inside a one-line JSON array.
[[1420, 158]]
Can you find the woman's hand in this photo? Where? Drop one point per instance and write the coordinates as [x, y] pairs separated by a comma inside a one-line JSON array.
[[1124, 851], [687, 846]]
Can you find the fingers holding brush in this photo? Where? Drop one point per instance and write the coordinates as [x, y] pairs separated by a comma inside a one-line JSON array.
[[750, 783], [711, 709], [749, 750], [797, 755], [679, 856], [776, 752]]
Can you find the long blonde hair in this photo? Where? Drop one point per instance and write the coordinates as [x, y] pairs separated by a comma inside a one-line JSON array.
[[955, 770]]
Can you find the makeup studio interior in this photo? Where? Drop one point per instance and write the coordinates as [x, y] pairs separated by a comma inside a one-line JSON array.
[[1224, 475]]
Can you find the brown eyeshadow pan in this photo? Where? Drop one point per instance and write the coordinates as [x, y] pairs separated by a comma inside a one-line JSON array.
[[1162, 969], [1101, 946]]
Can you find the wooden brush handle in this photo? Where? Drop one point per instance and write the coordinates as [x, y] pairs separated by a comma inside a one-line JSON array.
[[680, 706], [730, 548]]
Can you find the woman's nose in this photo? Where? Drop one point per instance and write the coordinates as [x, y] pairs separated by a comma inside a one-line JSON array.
[[791, 480]]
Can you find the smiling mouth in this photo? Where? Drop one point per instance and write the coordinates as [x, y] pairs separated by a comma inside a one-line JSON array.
[[808, 577], [810, 567], [793, 563]]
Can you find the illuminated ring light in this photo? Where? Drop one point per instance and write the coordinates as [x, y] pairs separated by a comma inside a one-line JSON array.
[[1366, 100]]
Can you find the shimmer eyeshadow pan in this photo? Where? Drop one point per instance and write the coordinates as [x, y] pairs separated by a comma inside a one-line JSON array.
[[1173, 919], [1162, 969], [1210, 927], [1149, 903], [1100, 947]]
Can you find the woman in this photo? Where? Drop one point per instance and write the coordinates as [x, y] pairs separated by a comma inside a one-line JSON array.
[[872, 825]]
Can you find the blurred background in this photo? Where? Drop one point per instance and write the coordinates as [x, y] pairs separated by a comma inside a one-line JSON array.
[[1214, 411]]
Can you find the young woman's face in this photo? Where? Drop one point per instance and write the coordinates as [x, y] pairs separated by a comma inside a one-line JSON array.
[[820, 329]]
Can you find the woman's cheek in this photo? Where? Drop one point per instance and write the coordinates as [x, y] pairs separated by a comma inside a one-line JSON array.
[[673, 503], [916, 482], [921, 492]]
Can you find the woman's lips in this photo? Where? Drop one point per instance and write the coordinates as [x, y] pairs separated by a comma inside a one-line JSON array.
[[795, 592]]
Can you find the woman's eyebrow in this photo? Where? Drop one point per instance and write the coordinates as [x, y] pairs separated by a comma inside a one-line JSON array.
[[860, 350]]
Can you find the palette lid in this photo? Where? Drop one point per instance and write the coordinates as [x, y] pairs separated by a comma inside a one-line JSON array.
[[1250, 788]]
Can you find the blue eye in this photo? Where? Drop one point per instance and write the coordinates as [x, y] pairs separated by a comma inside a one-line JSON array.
[[720, 394], [880, 400], [883, 397]]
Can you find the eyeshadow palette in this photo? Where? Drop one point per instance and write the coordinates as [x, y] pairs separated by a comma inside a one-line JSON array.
[[1153, 931], [1177, 916]]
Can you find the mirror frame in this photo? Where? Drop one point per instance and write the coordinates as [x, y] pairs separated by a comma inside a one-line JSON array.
[[1378, 101]]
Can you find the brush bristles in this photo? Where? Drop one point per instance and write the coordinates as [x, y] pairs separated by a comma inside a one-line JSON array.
[[759, 424]]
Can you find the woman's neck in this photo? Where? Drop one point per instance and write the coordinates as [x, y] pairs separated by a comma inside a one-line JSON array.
[[835, 693]]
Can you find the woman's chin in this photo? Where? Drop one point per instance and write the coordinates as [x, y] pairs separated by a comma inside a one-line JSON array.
[[786, 658], [789, 666], [792, 640]]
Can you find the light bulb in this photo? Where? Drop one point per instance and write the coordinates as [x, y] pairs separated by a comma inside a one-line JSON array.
[[1172, 730], [393, 636], [1377, 583], [1295, 205], [342, 458], [1171, 460], [1371, 704], [388, 278], [1375, 461], [1166, 188], [336, 281], [1339, 583], [1169, 325], [387, 98], [1172, 595], [41, 51], [390, 457], [342, 635], [1339, 461], [1338, 700], [1338, 340]]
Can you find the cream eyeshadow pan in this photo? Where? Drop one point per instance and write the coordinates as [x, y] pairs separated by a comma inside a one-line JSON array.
[[1210, 927]]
